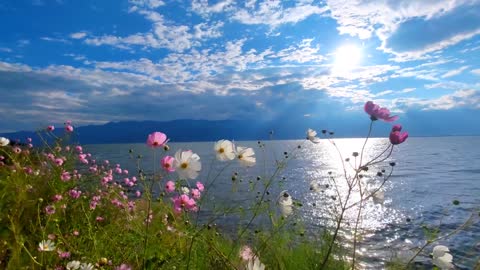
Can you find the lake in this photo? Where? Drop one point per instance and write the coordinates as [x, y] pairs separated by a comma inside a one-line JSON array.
[[430, 173]]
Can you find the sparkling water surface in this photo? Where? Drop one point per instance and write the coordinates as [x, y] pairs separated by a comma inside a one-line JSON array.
[[429, 174]]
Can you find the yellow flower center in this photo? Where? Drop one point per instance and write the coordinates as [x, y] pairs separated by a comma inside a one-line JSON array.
[[240, 156], [184, 165], [221, 150]]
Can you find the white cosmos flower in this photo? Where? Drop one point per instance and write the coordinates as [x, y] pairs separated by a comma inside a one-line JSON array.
[[378, 197], [312, 136], [314, 186], [86, 266], [245, 156], [4, 141], [187, 164], [442, 258], [255, 264], [46, 245], [185, 190], [285, 203], [73, 265], [224, 150]]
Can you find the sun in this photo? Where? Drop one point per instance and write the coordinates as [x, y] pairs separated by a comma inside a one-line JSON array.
[[347, 57]]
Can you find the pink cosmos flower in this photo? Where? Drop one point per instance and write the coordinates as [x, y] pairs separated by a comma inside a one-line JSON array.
[[156, 139], [246, 253], [200, 186], [63, 254], [30, 145], [59, 161], [183, 202], [167, 163], [57, 197], [51, 128], [376, 112], [69, 128], [79, 149], [65, 176], [196, 193], [123, 267], [397, 137], [68, 122], [74, 193], [125, 172], [170, 186], [99, 219], [50, 209], [76, 233], [67, 148], [29, 140], [28, 170], [17, 150]]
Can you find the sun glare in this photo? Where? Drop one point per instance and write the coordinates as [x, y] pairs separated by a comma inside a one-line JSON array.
[[347, 58]]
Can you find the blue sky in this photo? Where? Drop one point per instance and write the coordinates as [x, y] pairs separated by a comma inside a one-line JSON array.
[[116, 60]]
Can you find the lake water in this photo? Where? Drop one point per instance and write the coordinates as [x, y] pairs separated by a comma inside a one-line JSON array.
[[429, 174]]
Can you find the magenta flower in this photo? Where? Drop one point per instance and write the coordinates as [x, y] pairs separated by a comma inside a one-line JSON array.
[[397, 137], [167, 163], [57, 197], [170, 186], [79, 149], [17, 150], [65, 176], [123, 267], [200, 186], [156, 139], [376, 112], [63, 254], [75, 194], [99, 219], [59, 161], [50, 209], [183, 202], [51, 128], [69, 128], [196, 193]]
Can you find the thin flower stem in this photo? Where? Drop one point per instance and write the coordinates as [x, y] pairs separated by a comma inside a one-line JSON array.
[[149, 202], [30, 255], [365, 143]]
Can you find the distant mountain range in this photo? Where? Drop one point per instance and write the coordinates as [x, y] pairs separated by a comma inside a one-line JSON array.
[[187, 130]]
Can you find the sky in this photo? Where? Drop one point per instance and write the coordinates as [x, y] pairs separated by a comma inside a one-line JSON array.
[[94, 62]]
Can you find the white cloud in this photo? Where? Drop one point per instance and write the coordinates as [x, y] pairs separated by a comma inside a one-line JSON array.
[[408, 90], [476, 72], [448, 85], [383, 93], [272, 13], [202, 7], [164, 34], [194, 65], [5, 49], [78, 35], [436, 46], [301, 53], [55, 39], [151, 4], [455, 72]]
